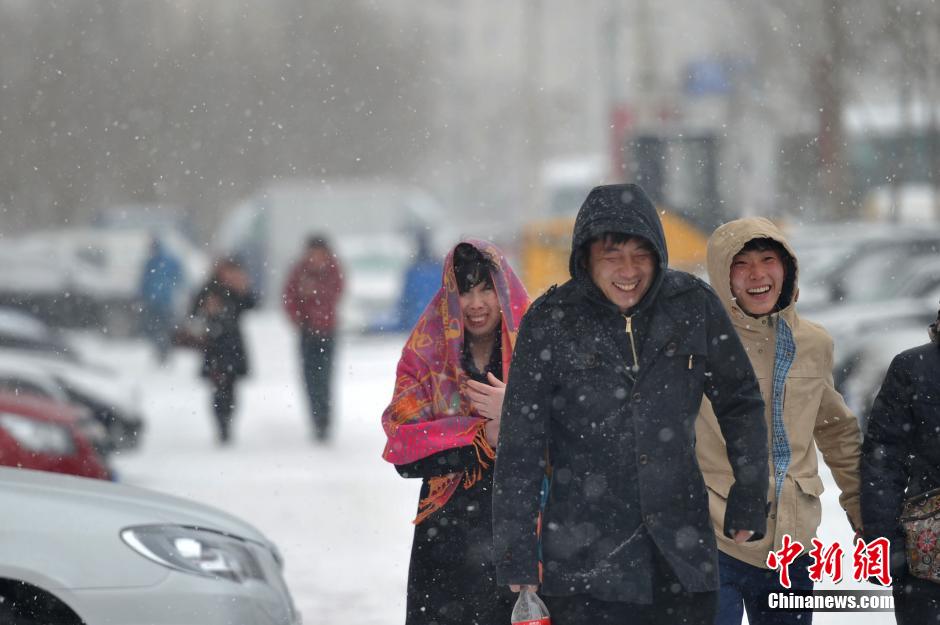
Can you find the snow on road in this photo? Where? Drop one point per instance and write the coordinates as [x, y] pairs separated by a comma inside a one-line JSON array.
[[340, 515]]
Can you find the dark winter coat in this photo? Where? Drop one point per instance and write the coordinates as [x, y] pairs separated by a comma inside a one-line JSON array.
[[452, 578], [221, 335], [900, 453], [621, 445]]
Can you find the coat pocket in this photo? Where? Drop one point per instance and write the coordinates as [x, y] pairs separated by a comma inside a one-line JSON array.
[[688, 350], [720, 483], [573, 354], [809, 508], [810, 485], [684, 358], [581, 361], [583, 380]]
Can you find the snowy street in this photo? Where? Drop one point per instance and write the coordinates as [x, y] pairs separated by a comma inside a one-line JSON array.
[[186, 186], [340, 515]]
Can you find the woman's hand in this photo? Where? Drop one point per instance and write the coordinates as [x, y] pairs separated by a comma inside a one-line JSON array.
[[487, 399]]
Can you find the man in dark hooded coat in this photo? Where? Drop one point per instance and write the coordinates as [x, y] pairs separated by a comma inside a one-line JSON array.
[[607, 378]]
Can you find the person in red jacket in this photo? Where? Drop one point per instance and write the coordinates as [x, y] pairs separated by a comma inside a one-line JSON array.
[[311, 296]]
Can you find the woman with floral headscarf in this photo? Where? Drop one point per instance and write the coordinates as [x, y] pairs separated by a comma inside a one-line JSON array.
[[442, 426]]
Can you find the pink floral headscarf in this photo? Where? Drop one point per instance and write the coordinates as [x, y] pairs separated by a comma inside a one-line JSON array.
[[428, 413]]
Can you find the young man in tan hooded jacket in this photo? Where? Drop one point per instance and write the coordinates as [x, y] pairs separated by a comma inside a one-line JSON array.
[[754, 271]]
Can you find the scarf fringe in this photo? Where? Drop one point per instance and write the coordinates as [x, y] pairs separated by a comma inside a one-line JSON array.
[[442, 488]]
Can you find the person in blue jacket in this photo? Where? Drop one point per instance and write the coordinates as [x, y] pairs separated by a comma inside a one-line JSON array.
[[160, 281], [422, 281]]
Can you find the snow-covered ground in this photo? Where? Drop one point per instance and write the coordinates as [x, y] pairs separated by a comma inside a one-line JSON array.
[[339, 513]]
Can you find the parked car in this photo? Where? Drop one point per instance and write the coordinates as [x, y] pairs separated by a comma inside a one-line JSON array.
[[870, 363], [88, 277], [86, 552], [33, 348], [908, 296], [854, 324], [867, 335], [24, 331], [24, 379], [113, 400], [40, 434], [856, 262]]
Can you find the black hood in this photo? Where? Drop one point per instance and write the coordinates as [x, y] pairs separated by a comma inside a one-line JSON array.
[[621, 208]]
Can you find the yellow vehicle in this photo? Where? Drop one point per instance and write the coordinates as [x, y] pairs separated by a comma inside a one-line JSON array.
[[546, 247]]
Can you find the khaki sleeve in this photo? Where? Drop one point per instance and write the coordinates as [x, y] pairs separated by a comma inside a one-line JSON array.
[[840, 440]]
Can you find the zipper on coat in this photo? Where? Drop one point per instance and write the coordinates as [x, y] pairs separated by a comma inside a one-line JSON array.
[[690, 361], [629, 330]]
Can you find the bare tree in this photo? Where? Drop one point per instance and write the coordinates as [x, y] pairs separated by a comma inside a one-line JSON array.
[[817, 59], [196, 104]]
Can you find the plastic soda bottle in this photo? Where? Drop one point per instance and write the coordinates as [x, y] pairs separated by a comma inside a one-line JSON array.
[[529, 610]]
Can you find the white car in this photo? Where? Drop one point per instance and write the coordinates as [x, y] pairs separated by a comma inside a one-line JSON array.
[[871, 363], [85, 552], [90, 277]]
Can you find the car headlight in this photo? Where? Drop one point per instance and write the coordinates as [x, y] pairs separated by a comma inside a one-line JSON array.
[[197, 551], [38, 436]]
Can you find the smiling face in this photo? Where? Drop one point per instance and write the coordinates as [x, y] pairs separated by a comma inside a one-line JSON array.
[[480, 309], [757, 280], [624, 272]]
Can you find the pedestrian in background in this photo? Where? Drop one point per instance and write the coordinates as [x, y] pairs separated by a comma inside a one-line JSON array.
[[216, 326], [311, 297], [901, 464], [754, 271], [609, 372], [442, 427], [422, 279], [160, 281]]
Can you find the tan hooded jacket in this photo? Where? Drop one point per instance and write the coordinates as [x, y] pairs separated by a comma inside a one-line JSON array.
[[814, 413]]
